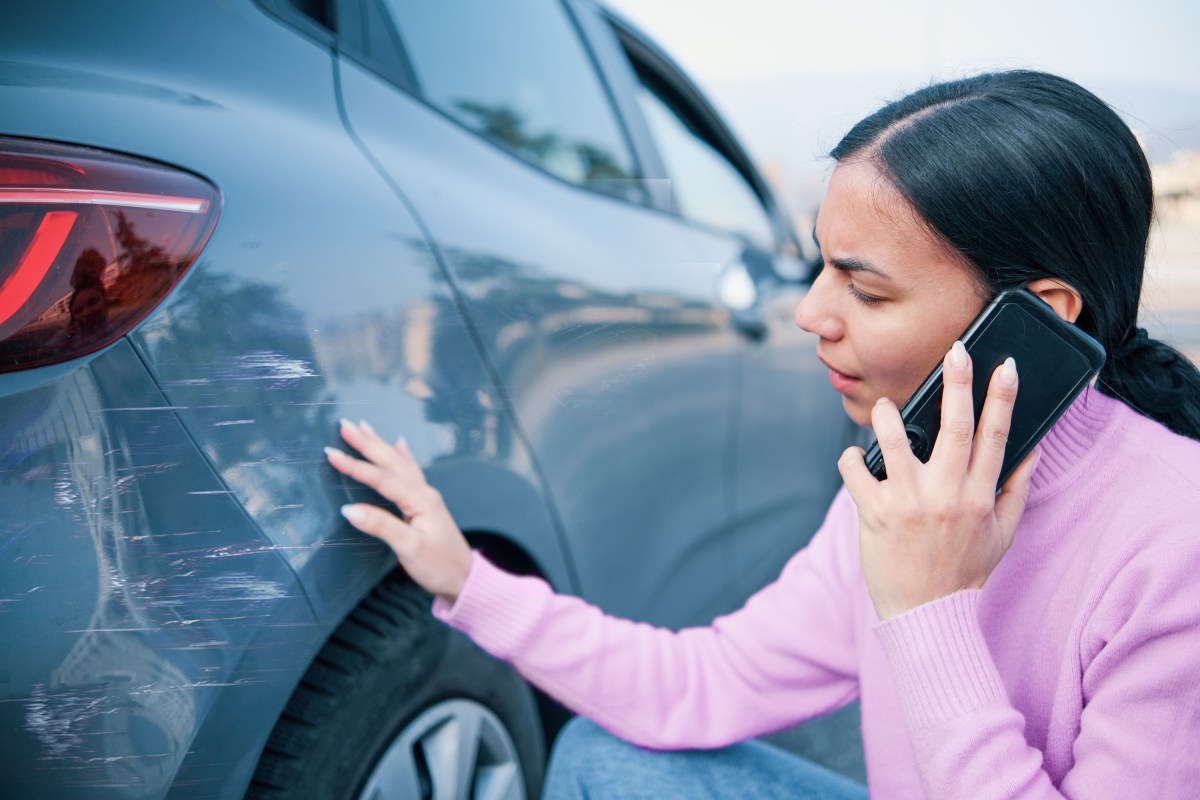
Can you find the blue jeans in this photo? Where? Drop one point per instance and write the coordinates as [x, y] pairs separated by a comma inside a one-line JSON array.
[[588, 762]]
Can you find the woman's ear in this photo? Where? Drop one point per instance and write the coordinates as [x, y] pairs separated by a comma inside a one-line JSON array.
[[1062, 297]]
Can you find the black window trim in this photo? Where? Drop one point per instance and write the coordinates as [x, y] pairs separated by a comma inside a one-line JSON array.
[[352, 23], [664, 76], [287, 12]]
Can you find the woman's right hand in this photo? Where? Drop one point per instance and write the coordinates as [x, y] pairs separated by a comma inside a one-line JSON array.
[[428, 543]]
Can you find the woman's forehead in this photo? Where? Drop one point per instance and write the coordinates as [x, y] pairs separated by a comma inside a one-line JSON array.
[[863, 208], [865, 218]]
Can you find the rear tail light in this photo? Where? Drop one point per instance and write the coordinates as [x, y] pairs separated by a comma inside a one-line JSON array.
[[90, 243]]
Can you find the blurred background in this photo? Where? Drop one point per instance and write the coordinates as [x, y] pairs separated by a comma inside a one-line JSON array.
[[792, 77]]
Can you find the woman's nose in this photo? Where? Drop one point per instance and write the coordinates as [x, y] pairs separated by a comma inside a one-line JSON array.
[[817, 312]]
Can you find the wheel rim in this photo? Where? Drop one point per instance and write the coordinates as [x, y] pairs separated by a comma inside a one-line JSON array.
[[455, 750]]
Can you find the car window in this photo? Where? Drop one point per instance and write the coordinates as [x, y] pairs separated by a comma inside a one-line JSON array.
[[517, 73], [707, 187]]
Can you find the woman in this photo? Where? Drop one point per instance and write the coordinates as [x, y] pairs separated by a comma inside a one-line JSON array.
[[1039, 642]]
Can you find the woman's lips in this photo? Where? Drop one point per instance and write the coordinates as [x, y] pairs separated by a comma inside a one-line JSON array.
[[841, 381]]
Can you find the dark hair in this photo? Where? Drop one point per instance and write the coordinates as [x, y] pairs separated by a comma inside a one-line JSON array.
[[1029, 176]]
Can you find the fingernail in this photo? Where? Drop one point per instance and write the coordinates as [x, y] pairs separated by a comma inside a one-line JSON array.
[[1008, 372], [366, 426], [345, 423], [333, 451], [881, 401], [352, 513], [958, 356]]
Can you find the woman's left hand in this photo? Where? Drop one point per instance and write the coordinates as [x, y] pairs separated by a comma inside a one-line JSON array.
[[937, 528]]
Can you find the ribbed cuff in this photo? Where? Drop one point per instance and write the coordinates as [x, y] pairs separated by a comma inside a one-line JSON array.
[[496, 609], [940, 661]]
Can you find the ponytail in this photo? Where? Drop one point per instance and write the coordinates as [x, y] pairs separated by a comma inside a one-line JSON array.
[[1156, 380]]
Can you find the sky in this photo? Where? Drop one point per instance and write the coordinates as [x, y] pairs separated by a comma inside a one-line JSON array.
[[1108, 41], [792, 76]]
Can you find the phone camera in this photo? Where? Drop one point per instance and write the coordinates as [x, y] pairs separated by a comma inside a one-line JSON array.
[[918, 442]]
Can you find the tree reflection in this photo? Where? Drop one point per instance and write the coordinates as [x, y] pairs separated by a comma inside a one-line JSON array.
[[578, 161]]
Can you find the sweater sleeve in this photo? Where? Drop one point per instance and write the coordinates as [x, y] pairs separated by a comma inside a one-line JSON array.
[[1140, 726], [968, 739], [787, 655]]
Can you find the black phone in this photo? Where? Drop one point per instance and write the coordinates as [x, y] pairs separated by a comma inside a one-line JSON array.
[[1055, 361]]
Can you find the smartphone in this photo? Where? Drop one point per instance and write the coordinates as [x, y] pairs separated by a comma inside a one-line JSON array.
[[1055, 361]]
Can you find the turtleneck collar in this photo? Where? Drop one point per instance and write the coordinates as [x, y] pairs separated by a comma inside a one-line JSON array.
[[1073, 443]]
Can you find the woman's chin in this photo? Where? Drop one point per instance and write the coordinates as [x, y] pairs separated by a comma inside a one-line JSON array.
[[858, 411]]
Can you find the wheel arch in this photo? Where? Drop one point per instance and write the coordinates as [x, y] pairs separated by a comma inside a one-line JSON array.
[[506, 516]]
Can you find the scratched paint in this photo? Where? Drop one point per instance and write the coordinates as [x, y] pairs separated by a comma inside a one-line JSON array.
[[266, 365], [60, 720], [139, 614]]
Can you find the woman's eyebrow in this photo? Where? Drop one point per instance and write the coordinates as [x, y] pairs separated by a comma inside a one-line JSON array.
[[857, 265], [851, 264]]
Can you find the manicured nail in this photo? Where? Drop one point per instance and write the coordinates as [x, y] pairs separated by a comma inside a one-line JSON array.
[[333, 452], [1008, 372], [366, 426], [958, 356], [345, 423], [352, 513], [881, 401]]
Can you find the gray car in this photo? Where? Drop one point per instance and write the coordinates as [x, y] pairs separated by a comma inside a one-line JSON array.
[[514, 233]]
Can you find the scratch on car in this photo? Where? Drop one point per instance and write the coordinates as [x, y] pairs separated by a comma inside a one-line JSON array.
[[146, 469], [268, 365], [59, 720], [65, 494], [153, 689], [244, 586], [144, 536]]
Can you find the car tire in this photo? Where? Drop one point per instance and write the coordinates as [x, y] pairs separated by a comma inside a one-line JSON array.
[[399, 705]]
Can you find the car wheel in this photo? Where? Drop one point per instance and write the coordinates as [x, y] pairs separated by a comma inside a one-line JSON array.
[[398, 705]]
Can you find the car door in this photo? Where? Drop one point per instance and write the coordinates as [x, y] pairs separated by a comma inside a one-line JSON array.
[[601, 318], [789, 428]]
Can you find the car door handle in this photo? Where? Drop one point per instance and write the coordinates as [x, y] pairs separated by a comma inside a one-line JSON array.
[[739, 294]]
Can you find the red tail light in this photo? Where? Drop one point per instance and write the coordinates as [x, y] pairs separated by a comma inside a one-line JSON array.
[[90, 243]]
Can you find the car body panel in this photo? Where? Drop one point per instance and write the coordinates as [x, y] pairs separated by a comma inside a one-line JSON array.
[[142, 580], [560, 361], [275, 333], [605, 334], [786, 420]]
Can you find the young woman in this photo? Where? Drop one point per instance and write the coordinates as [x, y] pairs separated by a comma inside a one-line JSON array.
[[1039, 642]]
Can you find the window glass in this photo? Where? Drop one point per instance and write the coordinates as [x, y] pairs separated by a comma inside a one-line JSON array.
[[516, 72], [706, 186]]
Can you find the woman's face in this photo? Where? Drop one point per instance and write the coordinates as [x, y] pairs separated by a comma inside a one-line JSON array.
[[892, 297]]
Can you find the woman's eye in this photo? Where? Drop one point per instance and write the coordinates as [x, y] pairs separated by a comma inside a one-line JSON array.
[[865, 299]]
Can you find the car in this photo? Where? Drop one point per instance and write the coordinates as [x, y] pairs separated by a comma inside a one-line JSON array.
[[515, 234]]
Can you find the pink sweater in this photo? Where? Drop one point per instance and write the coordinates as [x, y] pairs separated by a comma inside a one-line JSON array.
[[1075, 672]]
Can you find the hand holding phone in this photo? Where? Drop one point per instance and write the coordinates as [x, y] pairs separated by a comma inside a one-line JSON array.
[[1056, 361]]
